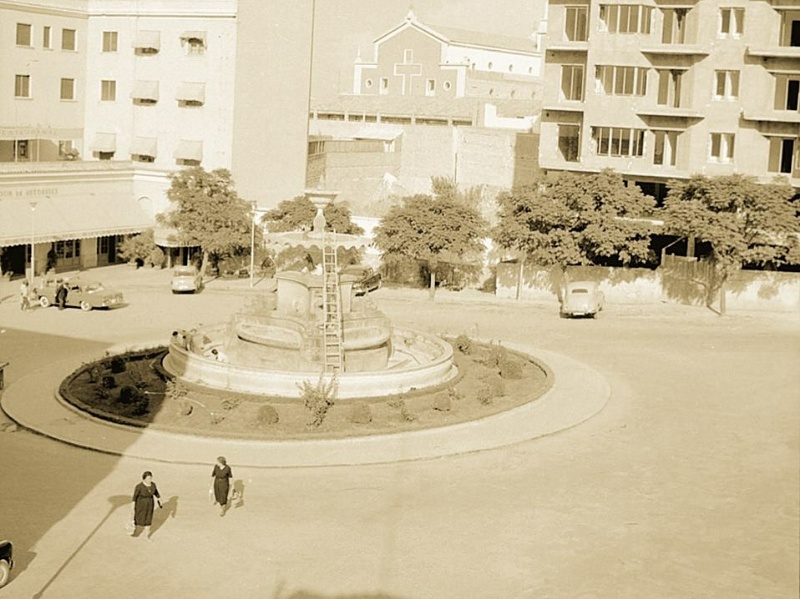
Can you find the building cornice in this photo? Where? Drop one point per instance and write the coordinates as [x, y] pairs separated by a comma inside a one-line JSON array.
[[59, 8]]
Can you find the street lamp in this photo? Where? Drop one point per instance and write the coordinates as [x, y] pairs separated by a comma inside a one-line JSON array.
[[253, 243], [33, 243]]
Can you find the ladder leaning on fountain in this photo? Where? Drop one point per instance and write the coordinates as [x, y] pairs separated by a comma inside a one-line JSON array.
[[332, 309]]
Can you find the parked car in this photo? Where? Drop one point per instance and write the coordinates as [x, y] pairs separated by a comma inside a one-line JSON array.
[[366, 278], [186, 279], [85, 295], [6, 562], [582, 298]]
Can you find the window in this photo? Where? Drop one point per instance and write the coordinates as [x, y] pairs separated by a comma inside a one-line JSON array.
[[787, 92], [67, 89], [790, 28], [618, 141], [66, 150], [569, 142], [368, 83], [447, 85], [47, 38], [621, 81], [625, 18], [731, 22], [665, 148], [24, 34], [669, 87], [68, 39], [782, 151], [575, 21], [674, 31], [572, 82], [108, 90], [195, 46], [721, 147], [384, 85], [22, 86], [726, 85], [21, 149], [430, 87], [109, 41]]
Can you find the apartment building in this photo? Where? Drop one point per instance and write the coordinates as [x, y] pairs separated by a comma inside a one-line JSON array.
[[661, 89], [101, 99]]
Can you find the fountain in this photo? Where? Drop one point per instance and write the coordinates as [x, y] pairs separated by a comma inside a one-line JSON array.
[[308, 325]]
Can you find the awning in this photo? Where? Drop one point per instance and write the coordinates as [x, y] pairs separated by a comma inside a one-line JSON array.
[[104, 142], [144, 146], [194, 35], [145, 90], [147, 40], [191, 92], [189, 150], [59, 218], [167, 237]]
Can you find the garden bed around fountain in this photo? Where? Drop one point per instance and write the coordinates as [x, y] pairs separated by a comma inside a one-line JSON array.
[[132, 389]]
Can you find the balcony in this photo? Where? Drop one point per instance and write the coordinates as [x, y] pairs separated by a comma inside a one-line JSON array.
[[775, 51], [692, 50], [568, 46], [772, 116], [670, 112]]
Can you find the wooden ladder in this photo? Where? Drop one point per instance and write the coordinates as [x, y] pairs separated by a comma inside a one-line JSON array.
[[332, 310]]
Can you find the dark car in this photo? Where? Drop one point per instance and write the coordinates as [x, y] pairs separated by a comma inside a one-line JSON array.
[[6, 562], [366, 278]]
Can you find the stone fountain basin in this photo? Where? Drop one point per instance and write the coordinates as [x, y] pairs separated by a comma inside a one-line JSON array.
[[419, 361]]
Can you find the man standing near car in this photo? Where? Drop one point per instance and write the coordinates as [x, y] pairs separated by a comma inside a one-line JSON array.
[[61, 296]]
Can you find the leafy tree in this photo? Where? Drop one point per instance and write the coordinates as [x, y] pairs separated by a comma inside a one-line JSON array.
[[576, 219], [434, 230], [209, 213], [743, 222], [139, 248], [298, 214]]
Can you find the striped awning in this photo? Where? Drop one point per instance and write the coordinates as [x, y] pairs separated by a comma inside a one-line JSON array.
[[189, 150], [147, 40], [145, 146], [104, 142], [75, 217], [145, 90], [191, 92]]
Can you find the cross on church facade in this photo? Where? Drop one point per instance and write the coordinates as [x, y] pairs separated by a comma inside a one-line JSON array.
[[407, 69]]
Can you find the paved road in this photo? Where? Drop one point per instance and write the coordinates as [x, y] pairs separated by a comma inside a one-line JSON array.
[[685, 485]]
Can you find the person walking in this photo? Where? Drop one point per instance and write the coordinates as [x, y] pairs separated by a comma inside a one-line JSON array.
[[221, 484], [24, 296], [145, 495]]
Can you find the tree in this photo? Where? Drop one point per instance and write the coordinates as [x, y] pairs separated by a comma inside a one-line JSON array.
[[576, 219], [298, 214], [141, 248], [433, 230], [209, 213], [743, 222]]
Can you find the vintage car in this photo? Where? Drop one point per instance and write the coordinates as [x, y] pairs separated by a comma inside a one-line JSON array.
[[6, 562], [366, 278], [85, 295], [582, 298], [186, 279]]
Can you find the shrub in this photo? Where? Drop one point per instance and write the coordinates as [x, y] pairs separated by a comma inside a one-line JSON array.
[[109, 382], [318, 398], [496, 385], [175, 390], [496, 356], [400, 405], [455, 394], [484, 394], [441, 402], [140, 406], [229, 403], [216, 418], [463, 344], [267, 415], [117, 364], [360, 413], [156, 257], [510, 369], [94, 373], [128, 394]]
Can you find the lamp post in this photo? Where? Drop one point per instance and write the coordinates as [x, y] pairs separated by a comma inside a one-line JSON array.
[[33, 243]]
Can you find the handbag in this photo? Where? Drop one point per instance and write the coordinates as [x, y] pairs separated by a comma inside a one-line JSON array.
[[211, 498]]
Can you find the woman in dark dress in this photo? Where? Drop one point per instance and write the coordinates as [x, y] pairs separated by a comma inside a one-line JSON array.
[[144, 497], [221, 483]]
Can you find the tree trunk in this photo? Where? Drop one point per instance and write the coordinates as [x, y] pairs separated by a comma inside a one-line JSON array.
[[722, 299], [432, 290], [204, 265]]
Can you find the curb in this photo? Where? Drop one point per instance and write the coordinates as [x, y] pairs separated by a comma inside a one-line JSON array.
[[578, 393]]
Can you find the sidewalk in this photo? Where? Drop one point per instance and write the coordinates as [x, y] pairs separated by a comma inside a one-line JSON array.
[[577, 394]]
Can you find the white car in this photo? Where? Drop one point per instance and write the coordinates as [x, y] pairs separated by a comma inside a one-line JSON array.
[[186, 279], [582, 298]]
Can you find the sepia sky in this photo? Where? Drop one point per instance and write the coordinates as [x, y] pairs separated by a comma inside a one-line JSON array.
[[345, 26]]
